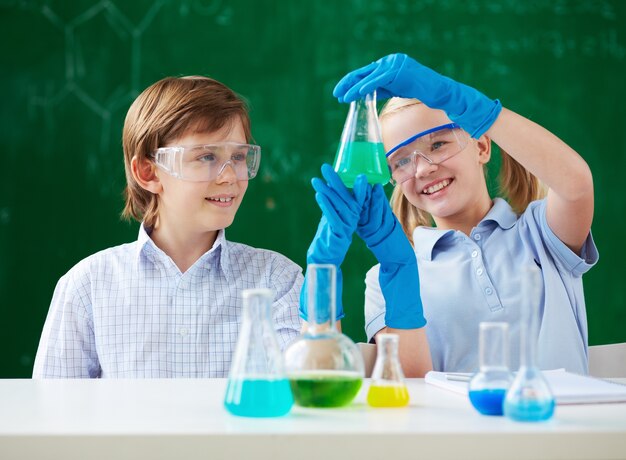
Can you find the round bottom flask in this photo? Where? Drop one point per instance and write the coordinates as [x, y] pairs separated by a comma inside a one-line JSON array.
[[324, 367], [529, 399], [488, 387]]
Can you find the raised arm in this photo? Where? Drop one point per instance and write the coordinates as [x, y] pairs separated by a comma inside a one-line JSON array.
[[569, 209]]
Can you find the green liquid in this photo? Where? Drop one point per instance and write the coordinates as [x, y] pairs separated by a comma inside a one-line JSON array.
[[325, 389], [362, 158]]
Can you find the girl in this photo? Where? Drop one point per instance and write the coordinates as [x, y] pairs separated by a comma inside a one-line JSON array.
[[474, 251]]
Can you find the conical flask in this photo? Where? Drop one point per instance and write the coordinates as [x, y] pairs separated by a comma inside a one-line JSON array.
[[488, 386], [529, 399], [387, 387], [361, 148], [257, 384], [325, 368]]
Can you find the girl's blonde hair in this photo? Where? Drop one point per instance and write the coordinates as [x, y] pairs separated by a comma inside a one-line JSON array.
[[165, 111], [515, 183]]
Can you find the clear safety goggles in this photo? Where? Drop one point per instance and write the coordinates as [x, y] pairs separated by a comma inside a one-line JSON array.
[[434, 145], [203, 163]]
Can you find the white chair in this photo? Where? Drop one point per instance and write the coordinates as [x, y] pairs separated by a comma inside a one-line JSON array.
[[607, 360], [368, 350]]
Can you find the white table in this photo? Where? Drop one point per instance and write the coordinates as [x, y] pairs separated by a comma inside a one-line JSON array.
[[184, 419]]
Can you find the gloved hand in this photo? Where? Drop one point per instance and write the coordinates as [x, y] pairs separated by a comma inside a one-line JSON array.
[[341, 211], [398, 276], [401, 76]]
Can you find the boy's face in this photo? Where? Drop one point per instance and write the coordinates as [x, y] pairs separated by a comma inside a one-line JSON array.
[[199, 207]]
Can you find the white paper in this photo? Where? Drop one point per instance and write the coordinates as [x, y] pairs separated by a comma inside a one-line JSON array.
[[567, 388]]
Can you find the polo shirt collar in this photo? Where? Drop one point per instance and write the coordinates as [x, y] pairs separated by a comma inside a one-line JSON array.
[[426, 238]]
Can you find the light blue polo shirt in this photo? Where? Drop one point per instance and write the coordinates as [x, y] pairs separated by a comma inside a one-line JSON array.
[[465, 280]]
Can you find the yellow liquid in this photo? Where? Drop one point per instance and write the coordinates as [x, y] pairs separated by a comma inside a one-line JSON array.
[[388, 396]]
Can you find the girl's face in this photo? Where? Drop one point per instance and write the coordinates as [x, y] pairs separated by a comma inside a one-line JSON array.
[[201, 207], [453, 192]]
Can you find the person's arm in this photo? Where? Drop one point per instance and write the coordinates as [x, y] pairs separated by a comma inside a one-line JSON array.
[[286, 279], [67, 347], [413, 350], [569, 207]]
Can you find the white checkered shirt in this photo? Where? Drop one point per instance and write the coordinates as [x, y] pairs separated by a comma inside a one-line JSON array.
[[128, 311]]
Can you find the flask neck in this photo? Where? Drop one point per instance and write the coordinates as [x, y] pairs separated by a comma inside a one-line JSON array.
[[528, 344], [493, 346]]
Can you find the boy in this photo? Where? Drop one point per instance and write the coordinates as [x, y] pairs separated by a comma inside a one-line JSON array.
[[169, 304]]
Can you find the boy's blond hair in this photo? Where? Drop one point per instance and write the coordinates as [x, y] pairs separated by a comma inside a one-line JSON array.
[[166, 110], [515, 183]]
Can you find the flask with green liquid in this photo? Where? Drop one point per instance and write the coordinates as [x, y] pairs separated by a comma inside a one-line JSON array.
[[361, 148], [324, 367]]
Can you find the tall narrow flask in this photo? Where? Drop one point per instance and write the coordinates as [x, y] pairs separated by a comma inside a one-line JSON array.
[[325, 368], [387, 387], [257, 384], [488, 386], [529, 399], [361, 149]]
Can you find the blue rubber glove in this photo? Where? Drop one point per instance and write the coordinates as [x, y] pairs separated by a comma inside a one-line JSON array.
[[401, 76], [341, 211], [398, 276]]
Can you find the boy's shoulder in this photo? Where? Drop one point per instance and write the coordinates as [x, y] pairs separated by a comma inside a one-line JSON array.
[[116, 256], [239, 253]]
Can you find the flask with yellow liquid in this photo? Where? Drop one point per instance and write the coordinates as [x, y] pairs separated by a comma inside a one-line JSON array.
[[387, 387]]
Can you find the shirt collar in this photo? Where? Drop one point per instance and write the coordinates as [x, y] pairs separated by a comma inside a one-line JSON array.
[[219, 250], [426, 238]]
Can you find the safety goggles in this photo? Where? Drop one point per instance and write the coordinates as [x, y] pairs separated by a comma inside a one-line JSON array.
[[203, 163], [434, 145]]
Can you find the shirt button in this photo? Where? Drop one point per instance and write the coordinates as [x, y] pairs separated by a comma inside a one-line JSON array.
[[477, 236], [488, 291], [182, 331], [479, 271], [474, 253]]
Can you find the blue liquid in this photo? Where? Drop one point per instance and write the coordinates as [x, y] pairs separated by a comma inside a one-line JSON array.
[[529, 411], [488, 402], [258, 397]]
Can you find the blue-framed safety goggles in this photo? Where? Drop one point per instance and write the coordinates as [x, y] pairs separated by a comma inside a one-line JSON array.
[[435, 145]]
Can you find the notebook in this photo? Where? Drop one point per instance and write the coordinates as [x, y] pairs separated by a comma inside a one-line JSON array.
[[568, 388]]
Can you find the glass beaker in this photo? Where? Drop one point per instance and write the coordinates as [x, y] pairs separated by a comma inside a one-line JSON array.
[[529, 398], [257, 384], [361, 148], [387, 387], [324, 367], [488, 387]]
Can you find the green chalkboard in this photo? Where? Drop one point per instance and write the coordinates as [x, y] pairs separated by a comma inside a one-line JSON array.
[[70, 69]]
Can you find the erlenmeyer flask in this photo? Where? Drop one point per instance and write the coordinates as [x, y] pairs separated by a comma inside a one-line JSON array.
[[529, 398], [325, 368], [257, 384], [361, 149], [488, 387], [387, 387]]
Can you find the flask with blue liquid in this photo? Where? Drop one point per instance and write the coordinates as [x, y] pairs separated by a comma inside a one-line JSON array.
[[488, 387], [529, 399], [257, 384]]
